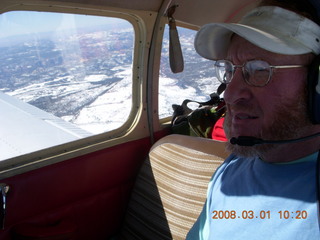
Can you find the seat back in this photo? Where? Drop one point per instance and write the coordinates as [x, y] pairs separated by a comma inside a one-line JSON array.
[[170, 189]]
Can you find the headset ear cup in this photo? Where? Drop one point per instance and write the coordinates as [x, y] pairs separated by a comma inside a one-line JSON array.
[[314, 91]]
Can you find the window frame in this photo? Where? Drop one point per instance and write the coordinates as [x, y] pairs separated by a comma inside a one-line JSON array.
[[165, 121], [135, 124]]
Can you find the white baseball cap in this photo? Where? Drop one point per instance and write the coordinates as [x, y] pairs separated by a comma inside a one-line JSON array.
[[272, 28]]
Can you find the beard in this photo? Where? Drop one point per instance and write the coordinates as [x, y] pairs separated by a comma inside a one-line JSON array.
[[291, 122]]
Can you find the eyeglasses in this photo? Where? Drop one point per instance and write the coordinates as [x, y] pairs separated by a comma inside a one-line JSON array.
[[256, 72]]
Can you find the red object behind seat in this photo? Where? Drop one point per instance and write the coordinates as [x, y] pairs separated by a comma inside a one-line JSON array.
[[218, 131]]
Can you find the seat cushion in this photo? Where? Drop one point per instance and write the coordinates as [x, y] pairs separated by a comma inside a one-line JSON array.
[[170, 189]]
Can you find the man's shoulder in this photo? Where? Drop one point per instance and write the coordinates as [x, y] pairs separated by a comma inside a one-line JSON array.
[[237, 161]]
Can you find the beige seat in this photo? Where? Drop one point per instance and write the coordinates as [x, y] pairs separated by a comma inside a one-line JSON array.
[[171, 187]]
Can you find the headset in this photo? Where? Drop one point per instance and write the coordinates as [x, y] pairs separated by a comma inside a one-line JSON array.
[[313, 87], [313, 81]]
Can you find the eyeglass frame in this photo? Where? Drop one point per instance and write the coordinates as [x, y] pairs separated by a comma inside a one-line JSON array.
[[244, 73]]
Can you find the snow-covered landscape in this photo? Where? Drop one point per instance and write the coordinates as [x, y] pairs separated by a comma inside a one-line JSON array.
[[88, 82]]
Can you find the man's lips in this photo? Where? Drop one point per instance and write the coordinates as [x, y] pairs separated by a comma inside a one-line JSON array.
[[244, 116]]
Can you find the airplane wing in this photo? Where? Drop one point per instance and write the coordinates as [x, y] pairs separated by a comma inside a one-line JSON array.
[[25, 128]]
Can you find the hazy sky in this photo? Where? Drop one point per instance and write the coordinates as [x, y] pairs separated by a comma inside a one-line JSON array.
[[25, 22]]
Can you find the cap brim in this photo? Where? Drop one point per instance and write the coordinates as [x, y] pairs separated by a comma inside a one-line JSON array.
[[272, 28], [212, 41]]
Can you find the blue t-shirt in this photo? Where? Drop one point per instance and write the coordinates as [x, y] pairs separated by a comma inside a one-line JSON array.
[[250, 199]]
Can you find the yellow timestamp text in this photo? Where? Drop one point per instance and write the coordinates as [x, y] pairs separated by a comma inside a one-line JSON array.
[[263, 214]]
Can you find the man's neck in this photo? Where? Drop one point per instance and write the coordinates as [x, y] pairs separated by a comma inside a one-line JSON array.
[[291, 151]]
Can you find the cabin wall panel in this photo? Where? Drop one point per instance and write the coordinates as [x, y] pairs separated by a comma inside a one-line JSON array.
[[91, 190]]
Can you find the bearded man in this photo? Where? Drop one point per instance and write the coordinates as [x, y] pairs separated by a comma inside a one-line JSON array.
[[268, 187]]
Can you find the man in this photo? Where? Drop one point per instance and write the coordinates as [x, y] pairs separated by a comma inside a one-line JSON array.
[[268, 190]]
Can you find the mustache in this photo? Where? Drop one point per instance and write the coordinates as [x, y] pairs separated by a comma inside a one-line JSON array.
[[242, 107]]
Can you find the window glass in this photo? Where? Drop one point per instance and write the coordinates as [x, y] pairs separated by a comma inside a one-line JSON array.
[[62, 77], [196, 82]]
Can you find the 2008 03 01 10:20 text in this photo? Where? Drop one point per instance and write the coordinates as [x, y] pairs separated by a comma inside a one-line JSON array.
[[250, 214]]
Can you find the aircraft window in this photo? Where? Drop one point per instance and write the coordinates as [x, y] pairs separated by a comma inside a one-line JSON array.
[[196, 82], [62, 77]]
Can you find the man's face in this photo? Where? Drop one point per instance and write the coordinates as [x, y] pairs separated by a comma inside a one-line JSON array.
[[276, 111]]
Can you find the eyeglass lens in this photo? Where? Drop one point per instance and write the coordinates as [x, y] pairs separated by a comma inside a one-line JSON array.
[[256, 72]]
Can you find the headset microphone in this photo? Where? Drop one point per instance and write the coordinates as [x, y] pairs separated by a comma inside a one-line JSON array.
[[250, 141]]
